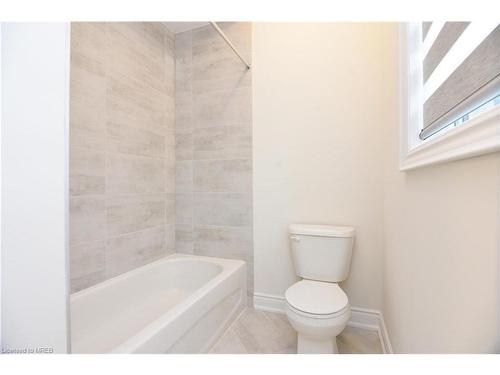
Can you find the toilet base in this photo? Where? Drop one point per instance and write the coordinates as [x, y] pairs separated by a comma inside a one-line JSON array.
[[306, 345]]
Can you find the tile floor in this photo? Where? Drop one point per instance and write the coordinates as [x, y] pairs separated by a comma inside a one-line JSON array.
[[259, 332]]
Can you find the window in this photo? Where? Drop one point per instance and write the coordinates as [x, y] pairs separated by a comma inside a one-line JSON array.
[[450, 90]]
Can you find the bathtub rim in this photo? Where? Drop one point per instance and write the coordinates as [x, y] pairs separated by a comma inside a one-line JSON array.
[[223, 262], [228, 268]]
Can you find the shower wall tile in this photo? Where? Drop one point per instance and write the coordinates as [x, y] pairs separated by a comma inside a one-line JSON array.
[[216, 67], [134, 141], [227, 74], [87, 104], [225, 242], [88, 219], [184, 176], [183, 113], [223, 108], [169, 239], [133, 103], [131, 213], [213, 104], [184, 146], [87, 171], [122, 148], [233, 175], [169, 118], [170, 136], [170, 66], [184, 206], [183, 63], [223, 209], [132, 250], [240, 34], [169, 170], [170, 209], [89, 39], [139, 55], [87, 265], [183, 96], [184, 238], [128, 174], [222, 143]]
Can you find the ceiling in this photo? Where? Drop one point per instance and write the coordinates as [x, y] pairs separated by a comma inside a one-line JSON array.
[[179, 27]]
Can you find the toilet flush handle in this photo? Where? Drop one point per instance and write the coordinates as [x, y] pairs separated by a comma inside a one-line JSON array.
[[295, 238]]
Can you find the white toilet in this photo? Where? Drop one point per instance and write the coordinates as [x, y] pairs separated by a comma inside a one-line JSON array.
[[316, 306]]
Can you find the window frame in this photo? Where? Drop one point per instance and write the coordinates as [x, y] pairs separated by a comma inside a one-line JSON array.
[[478, 136]]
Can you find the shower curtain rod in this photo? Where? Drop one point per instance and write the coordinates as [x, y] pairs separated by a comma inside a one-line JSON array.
[[226, 39]]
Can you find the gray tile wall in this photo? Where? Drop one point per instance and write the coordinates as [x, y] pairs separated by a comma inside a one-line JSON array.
[[122, 148], [213, 135]]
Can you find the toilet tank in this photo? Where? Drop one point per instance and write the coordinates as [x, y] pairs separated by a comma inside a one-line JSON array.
[[321, 252]]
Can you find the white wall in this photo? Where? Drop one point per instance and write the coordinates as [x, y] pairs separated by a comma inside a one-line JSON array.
[[441, 243], [317, 146], [35, 88]]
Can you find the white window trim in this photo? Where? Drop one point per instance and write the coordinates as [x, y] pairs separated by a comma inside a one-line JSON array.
[[480, 135]]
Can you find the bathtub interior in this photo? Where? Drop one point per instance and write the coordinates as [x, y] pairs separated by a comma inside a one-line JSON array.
[[107, 314]]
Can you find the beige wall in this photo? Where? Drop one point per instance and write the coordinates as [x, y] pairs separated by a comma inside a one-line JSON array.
[[214, 144], [318, 147], [326, 151], [441, 244], [122, 154]]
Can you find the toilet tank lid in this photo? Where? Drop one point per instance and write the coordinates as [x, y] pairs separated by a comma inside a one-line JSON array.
[[321, 230]]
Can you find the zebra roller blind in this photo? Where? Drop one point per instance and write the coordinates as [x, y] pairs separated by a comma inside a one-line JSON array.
[[460, 71]]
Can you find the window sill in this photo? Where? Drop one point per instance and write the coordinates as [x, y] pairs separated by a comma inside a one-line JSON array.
[[479, 136]]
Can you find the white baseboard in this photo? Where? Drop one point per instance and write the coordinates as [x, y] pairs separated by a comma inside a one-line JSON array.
[[384, 336], [360, 317], [364, 318], [269, 302]]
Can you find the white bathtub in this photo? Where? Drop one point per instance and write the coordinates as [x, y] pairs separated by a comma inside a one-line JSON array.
[[179, 304]]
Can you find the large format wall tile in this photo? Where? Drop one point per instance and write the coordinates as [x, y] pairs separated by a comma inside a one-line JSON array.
[[225, 242], [233, 175], [214, 145], [89, 39], [88, 102], [133, 250], [183, 176], [122, 153], [87, 171], [128, 174], [134, 141], [184, 206], [184, 238], [161, 147], [226, 209], [87, 219], [184, 146], [131, 213], [131, 102], [231, 107], [88, 265], [222, 143], [135, 53], [169, 170], [169, 239]]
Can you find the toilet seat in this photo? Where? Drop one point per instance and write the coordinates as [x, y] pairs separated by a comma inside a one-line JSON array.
[[317, 316], [316, 299]]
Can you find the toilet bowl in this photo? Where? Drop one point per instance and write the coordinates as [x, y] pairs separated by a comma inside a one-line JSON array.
[[319, 312], [316, 307]]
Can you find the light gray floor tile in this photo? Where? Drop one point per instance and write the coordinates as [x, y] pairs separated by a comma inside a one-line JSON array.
[[259, 332]]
